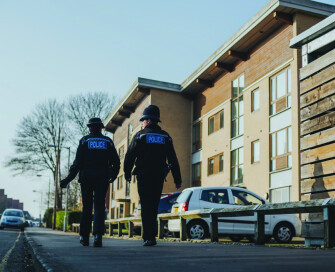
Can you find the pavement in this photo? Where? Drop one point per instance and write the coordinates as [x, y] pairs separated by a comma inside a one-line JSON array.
[[59, 251]]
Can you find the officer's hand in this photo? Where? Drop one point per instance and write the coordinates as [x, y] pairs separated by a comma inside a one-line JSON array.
[[178, 185], [64, 183]]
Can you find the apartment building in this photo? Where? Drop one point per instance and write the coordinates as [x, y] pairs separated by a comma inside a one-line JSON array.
[[123, 122], [246, 104], [237, 114]]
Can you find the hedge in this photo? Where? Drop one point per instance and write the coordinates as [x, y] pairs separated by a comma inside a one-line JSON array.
[[72, 217]]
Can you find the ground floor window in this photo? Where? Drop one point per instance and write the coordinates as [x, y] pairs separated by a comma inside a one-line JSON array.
[[279, 195], [196, 174]]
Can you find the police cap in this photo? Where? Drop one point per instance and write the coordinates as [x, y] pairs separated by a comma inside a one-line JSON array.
[[151, 112], [95, 121]]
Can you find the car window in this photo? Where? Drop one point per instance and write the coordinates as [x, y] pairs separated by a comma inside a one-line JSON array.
[[215, 196], [172, 200], [244, 198], [13, 213], [184, 196]]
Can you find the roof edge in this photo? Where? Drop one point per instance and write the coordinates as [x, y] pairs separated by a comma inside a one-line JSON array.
[[142, 82]]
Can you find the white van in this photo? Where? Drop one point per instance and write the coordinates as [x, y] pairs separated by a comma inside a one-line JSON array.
[[281, 227]]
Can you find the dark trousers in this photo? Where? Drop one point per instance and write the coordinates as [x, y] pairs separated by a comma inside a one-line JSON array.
[[149, 189], [93, 192]]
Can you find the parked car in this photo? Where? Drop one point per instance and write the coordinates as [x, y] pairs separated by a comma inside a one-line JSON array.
[[12, 218], [165, 204], [281, 227]]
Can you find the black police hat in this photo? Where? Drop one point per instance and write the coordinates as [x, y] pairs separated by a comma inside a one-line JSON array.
[[151, 112], [95, 121]]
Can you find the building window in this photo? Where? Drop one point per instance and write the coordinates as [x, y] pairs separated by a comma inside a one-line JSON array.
[[211, 125], [121, 152], [237, 166], [120, 182], [281, 149], [196, 174], [215, 164], [133, 208], [127, 189], [280, 195], [280, 86], [255, 100], [237, 107], [121, 210], [130, 132], [215, 122], [255, 151], [196, 137], [221, 160], [210, 166]]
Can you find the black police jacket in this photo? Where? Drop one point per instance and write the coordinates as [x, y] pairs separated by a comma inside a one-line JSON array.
[[149, 150], [96, 159]]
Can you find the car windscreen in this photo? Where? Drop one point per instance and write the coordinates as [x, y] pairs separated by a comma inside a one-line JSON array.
[[13, 213], [184, 196]]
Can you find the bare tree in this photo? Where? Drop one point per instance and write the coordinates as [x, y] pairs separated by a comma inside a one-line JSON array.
[[45, 126], [81, 108]]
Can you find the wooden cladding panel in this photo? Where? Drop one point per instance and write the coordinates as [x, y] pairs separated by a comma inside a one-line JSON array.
[[318, 185], [322, 106], [318, 169], [317, 94], [318, 123], [320, 138], [318, 154], [264, 58], [318, 79], [307, 197]]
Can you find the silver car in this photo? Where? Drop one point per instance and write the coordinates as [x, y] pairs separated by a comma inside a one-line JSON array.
[[280, 226], [12, 218]]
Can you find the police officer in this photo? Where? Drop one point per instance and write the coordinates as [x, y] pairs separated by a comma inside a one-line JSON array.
[[149, 150], [98, 164]]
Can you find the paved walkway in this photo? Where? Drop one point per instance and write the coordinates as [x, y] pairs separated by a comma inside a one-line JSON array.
[[62, 252]]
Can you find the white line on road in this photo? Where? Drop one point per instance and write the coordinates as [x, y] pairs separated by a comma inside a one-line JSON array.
[[6, 257]]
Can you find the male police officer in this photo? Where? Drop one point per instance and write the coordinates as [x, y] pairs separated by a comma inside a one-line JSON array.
[[98, 164], [149, 150]]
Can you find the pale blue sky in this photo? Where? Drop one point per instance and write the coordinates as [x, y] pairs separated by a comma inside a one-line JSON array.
[[54, 49]]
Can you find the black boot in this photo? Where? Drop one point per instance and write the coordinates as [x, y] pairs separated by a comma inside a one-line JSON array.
[[151, 242], [84, 241], [97, 240]]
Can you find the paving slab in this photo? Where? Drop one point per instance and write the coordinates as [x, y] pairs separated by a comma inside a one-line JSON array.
[[61, 251]]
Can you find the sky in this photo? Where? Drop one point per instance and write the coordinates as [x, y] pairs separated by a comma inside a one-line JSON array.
[[55, 49]]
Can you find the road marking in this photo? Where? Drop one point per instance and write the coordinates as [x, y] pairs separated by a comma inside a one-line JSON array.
[[6, 257]]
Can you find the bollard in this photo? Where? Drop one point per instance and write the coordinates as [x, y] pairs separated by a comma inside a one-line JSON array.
[[130, 229], [214, 228], [183, 234], [119, 224], [259, 229]]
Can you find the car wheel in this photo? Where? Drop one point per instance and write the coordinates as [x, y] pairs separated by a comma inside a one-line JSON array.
[[197, 230], [283, 233], [166, 230]]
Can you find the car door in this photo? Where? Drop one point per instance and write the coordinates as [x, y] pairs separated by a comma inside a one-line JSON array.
[[246, 224], [217, 198]]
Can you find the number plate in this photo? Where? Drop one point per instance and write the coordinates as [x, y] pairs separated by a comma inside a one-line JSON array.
[[176, 209]]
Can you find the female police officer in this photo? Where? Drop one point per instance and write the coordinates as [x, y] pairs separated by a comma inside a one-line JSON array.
[[98, 164], [149, 150]]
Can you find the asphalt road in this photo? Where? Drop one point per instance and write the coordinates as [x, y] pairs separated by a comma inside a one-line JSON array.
[[62, 252], [14, 253]]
